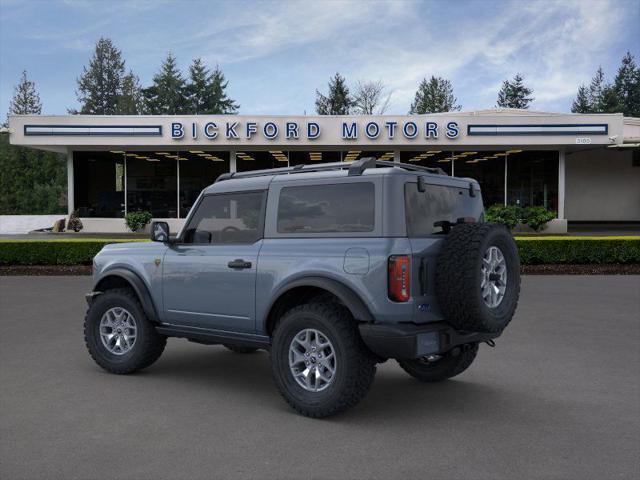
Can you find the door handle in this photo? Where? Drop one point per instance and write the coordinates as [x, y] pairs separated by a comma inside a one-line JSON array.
[[239, 264]]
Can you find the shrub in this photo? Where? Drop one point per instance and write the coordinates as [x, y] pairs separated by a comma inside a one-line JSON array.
[[75, 223], [533, 250], [511, 215], [536, 217], [578, 250], [73, 251], [137, 220], [507, 215]]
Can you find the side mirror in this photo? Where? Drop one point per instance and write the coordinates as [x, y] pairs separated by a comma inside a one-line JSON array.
[[160, 232]]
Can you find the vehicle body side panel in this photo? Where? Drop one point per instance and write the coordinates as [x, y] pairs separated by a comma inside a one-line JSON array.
[[138, 257]]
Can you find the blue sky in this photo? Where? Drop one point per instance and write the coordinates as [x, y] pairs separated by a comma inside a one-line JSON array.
[[275, 54]]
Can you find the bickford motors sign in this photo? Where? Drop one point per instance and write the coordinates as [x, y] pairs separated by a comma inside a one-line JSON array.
[[310, 130]]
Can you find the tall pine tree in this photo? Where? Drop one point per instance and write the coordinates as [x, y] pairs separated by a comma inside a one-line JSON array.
[[130, 101], [219, 102], [338, 100], [31, 181], [206, 92], [25, 99], [514, 94], [433, 96], [100, 85], [167, 95], [582, 103], [627, 86]]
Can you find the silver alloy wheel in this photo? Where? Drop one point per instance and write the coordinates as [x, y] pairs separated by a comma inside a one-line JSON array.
[[494, 277], [312, 360], [118, 330]]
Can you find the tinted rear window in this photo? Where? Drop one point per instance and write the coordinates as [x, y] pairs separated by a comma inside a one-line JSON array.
[[423, 209], [340, 208]]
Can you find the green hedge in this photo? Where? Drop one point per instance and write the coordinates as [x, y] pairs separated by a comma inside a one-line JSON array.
[[578, 250], [52, 252], [533, 250]]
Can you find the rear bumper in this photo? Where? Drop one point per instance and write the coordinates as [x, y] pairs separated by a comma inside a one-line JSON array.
[[412, 341]]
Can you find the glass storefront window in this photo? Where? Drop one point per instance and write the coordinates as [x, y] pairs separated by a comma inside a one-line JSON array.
[[311, 157], [99, 184], [485, 167], [260, 160], [355, 154], [197, 170], [532, 179], [152, 184], [430, 157]]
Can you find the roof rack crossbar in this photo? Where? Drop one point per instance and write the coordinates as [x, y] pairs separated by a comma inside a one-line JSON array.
[[355, 168]]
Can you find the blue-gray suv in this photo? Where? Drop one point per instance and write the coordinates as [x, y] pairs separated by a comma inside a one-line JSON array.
[[332, 268]]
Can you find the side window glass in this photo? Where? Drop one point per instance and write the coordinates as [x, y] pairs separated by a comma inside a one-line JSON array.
[[424, 209], [227, 218], [338, 208]]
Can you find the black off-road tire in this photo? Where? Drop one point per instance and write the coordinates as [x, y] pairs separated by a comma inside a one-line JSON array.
[[451, 364], [355, 364], [459, 277], [148, 346], [239, 349]]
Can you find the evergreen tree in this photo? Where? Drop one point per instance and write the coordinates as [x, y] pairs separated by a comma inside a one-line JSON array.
[[338, 101], [167, 95], [514, 94], [434, 95], [100, 85], [596, 91], [581, 104], [25, 99], [206, 92], [31, 181], [218, 100], [130, 101], [627, 86], [196, 89]]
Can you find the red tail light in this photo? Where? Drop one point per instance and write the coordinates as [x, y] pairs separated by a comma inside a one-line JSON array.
[[399, 278]]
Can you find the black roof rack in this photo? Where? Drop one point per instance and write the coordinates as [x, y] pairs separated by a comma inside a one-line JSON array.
[[355, 168]]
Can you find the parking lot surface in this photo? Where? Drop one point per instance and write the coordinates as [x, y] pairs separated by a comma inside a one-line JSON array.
[[559, 397]]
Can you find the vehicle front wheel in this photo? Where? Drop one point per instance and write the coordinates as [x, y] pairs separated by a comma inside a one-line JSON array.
[[436, 369], [319, 362], [118, 334]]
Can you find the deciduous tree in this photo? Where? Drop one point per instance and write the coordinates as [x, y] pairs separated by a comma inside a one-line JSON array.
[[371, 98]]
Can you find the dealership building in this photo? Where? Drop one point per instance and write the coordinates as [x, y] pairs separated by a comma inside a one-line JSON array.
[[584, 167]]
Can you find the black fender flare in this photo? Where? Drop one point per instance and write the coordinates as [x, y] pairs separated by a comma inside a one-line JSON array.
[[138, 286], [345, 294]]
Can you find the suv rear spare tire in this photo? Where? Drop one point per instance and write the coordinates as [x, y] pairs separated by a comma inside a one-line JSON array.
[[478, 277]]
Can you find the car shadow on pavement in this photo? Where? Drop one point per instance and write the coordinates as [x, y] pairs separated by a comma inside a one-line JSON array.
[[394, 394]]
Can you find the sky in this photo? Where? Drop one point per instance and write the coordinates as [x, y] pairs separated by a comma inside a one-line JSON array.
[[276, 54]]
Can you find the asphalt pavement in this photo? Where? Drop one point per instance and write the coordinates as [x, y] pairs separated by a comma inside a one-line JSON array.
[[559, 397]]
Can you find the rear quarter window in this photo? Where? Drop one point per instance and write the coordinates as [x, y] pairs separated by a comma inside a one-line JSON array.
[[423, 209], [338, 208]]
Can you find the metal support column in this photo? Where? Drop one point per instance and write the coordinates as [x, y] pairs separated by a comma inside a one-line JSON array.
[[70, 183], [232, 161], [561, 182]]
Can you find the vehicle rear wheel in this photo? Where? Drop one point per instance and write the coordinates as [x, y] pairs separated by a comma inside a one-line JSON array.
[[239, 349], [118, 334], [478, 277], [433, 369], [319, 362]]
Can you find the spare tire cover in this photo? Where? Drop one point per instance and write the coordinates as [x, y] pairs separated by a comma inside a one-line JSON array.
[[478, 277]]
